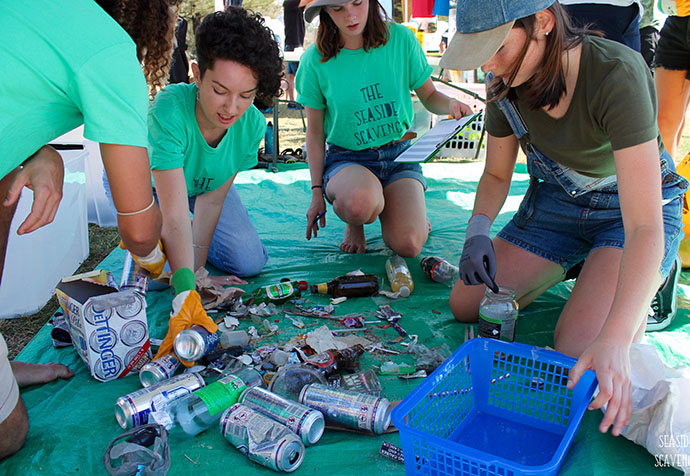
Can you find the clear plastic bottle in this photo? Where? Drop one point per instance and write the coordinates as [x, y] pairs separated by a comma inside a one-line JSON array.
[[399, 276], [498, 314], [197, 411], [440, 270]]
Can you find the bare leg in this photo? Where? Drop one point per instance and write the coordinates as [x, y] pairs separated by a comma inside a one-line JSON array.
[[673, 93], [530, 275], [404, 224], [357, 199], [13, 430], [6, 214]]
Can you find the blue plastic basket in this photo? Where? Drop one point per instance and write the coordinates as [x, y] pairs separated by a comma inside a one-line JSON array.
[[493, 408]]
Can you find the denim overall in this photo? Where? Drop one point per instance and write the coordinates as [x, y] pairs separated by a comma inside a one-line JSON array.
[[564, 215]]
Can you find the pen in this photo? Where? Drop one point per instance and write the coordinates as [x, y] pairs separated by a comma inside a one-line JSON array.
[[318, 217]]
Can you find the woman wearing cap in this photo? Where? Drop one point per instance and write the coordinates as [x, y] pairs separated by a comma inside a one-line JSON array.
[[602, 186], [355, 83]]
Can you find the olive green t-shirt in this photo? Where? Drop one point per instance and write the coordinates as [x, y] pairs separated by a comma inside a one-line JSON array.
[[613, 107]]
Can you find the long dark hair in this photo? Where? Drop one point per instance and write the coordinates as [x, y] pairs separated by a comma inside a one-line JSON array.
[[547, 86], [375, 32]]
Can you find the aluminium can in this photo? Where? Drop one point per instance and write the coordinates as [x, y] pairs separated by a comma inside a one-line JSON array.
[[134, 276], [193, 343], [306, 422], [133, 409], [352, 409], [159, 370], [261, 439]]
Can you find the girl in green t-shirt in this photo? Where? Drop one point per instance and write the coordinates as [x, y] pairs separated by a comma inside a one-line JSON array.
[[201, 135], [603, 190], [355, 84]]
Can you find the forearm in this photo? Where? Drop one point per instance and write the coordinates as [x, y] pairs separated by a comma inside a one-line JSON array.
[[206, 214], [437, 103], [316, 152], [491, 194], [638, 280], [177, 241]]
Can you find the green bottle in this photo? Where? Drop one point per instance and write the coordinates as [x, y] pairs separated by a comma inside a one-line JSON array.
[[276, 293]]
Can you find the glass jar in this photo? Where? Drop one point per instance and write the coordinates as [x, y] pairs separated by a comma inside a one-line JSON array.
[[498, 313]]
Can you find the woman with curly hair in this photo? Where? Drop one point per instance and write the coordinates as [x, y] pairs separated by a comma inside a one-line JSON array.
[[67, 63], [201, 135], [363, 118]]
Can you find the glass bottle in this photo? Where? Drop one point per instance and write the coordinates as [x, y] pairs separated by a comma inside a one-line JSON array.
[[332, 361], [399, 275], [440, 270], [498, 313], [197, 411], [349, 286], [276, 293]]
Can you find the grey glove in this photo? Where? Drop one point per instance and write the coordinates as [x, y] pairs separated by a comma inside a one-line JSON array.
[[478, 260]]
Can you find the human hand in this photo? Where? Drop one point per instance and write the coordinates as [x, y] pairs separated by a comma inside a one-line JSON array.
[[43, 173], [478, 260], [459, 109], [154, 262], [227, 280], [186, 312], [611, 362], [316, 215]]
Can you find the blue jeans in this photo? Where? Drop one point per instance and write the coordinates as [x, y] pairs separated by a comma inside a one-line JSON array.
[[379, 160], [562, 220], [235, 247]]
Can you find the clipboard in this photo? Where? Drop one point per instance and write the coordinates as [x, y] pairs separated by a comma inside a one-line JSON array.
[[430, 143]]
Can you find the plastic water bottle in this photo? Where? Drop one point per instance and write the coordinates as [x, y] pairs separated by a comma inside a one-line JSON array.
[[197, 411], [399, 276], [440, 270], [268, 139]]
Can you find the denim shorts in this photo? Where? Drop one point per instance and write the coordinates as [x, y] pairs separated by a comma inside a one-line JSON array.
[[378, 160], [673, 49], [564, 229]]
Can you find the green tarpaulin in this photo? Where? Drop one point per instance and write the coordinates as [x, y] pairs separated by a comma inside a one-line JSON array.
[[73, 421]]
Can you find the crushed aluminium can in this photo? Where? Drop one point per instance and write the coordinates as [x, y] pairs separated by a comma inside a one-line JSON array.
[[261, 439], [306, 422], [352, 409], [133, 409]]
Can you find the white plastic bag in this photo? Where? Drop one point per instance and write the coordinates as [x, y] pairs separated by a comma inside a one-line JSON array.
[[661, 411]]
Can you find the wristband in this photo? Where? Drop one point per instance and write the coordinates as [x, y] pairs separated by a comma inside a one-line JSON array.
[[316, 186], [183, 280]]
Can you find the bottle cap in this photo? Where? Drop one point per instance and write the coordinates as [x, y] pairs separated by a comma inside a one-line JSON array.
[[303, 285], [404, 291], [321, 288]]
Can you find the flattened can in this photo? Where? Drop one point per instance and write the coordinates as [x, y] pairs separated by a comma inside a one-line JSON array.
[[158, 370], [261, 439], [306, 422], [352, 409], [193, 343], [134, 276], [133, 409]]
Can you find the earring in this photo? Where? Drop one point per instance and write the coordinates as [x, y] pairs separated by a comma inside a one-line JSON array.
[[198, 95], [547, 33]]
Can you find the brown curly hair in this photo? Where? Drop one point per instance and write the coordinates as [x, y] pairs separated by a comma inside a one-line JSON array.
[[151, 25]]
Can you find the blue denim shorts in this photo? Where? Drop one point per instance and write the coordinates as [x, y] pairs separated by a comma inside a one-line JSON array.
[[378, 160], [564, 229]]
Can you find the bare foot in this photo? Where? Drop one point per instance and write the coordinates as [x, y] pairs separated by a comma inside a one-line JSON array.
[[354, 241], [34, 374]]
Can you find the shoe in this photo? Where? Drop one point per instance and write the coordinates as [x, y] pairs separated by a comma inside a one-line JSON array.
[[665, 302]]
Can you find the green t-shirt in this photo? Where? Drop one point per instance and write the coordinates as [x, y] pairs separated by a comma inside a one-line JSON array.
[[66, 63], [175, 141], [613, 107], [365, 94]]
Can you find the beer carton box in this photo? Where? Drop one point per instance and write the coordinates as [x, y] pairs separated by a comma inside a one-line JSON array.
[[108, 327]]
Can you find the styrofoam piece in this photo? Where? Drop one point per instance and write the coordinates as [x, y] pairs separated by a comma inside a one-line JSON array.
[[35, 262]]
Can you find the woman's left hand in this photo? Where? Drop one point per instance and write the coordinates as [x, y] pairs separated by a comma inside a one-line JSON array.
[[611, 362], [43, 173], [459, 109]]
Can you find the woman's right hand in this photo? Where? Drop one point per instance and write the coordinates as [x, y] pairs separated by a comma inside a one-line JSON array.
[[317, 207]]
